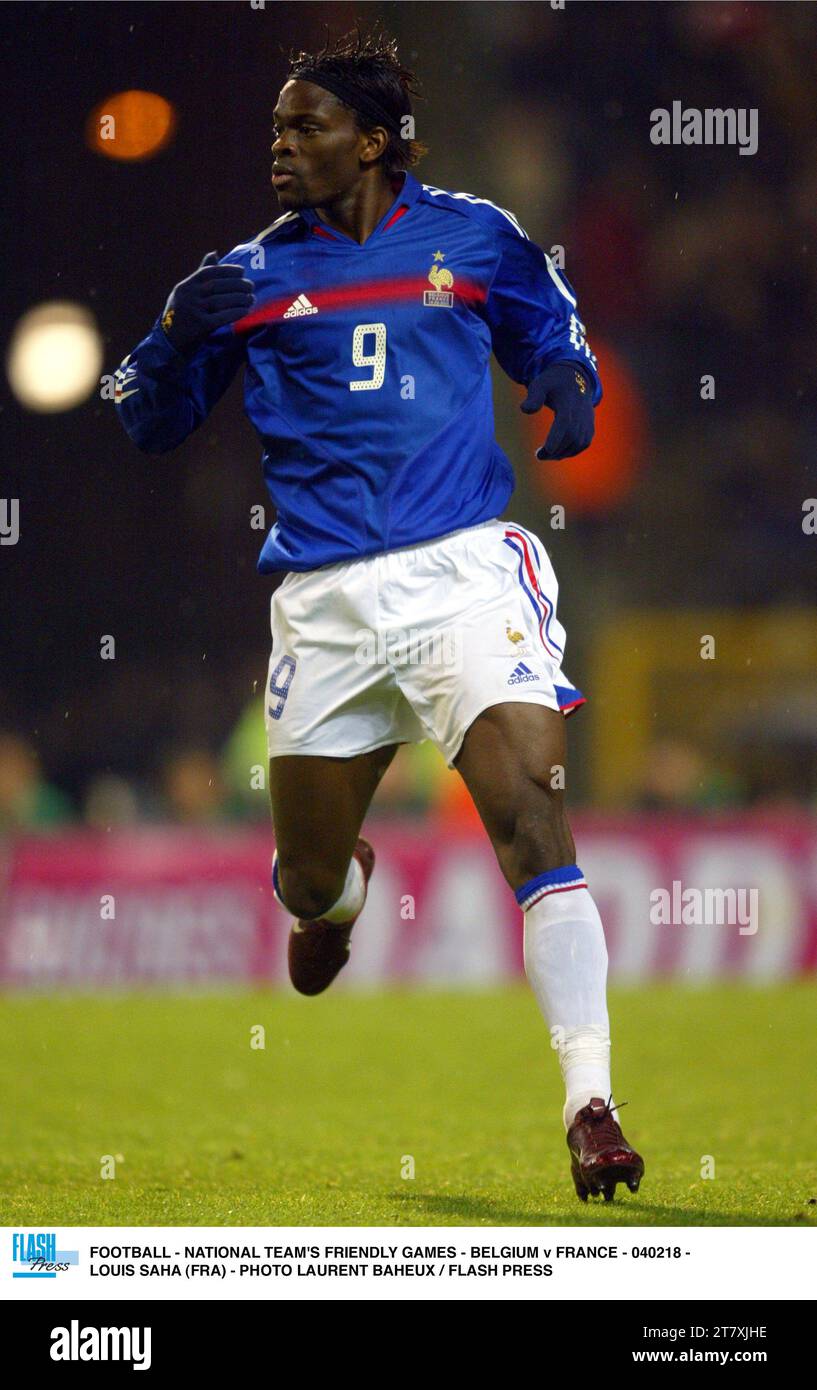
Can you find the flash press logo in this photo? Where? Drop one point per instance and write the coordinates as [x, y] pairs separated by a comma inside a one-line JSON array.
[[35, 1255], [75, 1343]]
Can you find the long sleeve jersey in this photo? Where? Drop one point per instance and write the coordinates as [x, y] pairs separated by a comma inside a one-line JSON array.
[[366, 371]]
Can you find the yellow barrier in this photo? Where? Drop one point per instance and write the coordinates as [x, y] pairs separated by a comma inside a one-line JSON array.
[[656, 675]]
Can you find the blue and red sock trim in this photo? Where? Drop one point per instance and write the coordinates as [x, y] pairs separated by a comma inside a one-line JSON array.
[[562, 880]]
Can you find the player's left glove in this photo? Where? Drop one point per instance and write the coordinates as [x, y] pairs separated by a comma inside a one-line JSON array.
[[569, 392]]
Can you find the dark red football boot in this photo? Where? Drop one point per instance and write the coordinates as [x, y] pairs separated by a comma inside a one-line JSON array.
[[600, 1155], [318, 950]]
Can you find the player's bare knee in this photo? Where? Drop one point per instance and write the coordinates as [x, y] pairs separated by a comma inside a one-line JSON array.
[[309, 891], [539, 836]]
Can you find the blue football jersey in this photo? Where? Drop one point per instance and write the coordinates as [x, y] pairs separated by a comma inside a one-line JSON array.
[[366, 371]]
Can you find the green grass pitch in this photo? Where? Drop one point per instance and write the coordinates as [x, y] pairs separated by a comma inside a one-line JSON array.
[[314, 1128]]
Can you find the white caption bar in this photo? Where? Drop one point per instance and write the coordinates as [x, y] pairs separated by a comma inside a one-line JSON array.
[[398, 1262]]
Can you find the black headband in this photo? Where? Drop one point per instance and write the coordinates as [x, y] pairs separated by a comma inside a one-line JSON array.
[[351, 95]]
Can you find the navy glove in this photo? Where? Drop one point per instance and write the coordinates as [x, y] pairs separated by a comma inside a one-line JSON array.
[[213, 295], [569, 392]]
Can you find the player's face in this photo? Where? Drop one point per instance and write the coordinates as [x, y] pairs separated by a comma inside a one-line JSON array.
[[317, 142]]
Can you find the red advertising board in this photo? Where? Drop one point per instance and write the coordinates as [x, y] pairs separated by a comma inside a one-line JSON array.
[[685, 899]]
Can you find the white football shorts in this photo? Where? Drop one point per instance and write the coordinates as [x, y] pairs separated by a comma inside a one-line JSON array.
[[413, 644]]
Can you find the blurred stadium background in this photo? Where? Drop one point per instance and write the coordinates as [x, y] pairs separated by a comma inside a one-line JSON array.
[[138, 777]]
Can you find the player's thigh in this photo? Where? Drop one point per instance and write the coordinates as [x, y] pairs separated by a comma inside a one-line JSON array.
[[319, 804], [513, 762]]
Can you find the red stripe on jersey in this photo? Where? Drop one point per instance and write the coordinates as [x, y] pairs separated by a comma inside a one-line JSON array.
[[348, 296]]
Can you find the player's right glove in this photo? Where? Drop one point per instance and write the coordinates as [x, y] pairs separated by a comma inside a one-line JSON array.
[[213, 295]]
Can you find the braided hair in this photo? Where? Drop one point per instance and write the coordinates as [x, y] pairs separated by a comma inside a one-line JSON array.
[[365, 74]]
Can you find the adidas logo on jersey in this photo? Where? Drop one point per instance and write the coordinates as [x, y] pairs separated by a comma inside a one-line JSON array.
[[522, 673], [300, 307]]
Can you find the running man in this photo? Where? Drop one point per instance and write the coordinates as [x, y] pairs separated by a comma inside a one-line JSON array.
[[365, 318]]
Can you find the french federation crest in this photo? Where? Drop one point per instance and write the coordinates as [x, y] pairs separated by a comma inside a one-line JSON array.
[[513, 635], [440, 297]]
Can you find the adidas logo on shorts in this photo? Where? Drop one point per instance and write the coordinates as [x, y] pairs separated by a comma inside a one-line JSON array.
[[299, 307], [522, 673]]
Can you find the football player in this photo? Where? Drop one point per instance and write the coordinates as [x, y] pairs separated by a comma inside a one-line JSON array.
[[365, 318]]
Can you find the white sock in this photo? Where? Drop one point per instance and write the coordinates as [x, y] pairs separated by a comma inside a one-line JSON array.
[[566, 964], [584, 1057], [351, 900]]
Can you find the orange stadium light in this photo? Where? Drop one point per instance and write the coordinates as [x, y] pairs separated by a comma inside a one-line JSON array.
[[604, 474], [131, 125]]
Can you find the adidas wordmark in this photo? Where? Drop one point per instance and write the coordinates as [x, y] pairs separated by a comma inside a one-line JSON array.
[[522, 673], [299, 307]]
